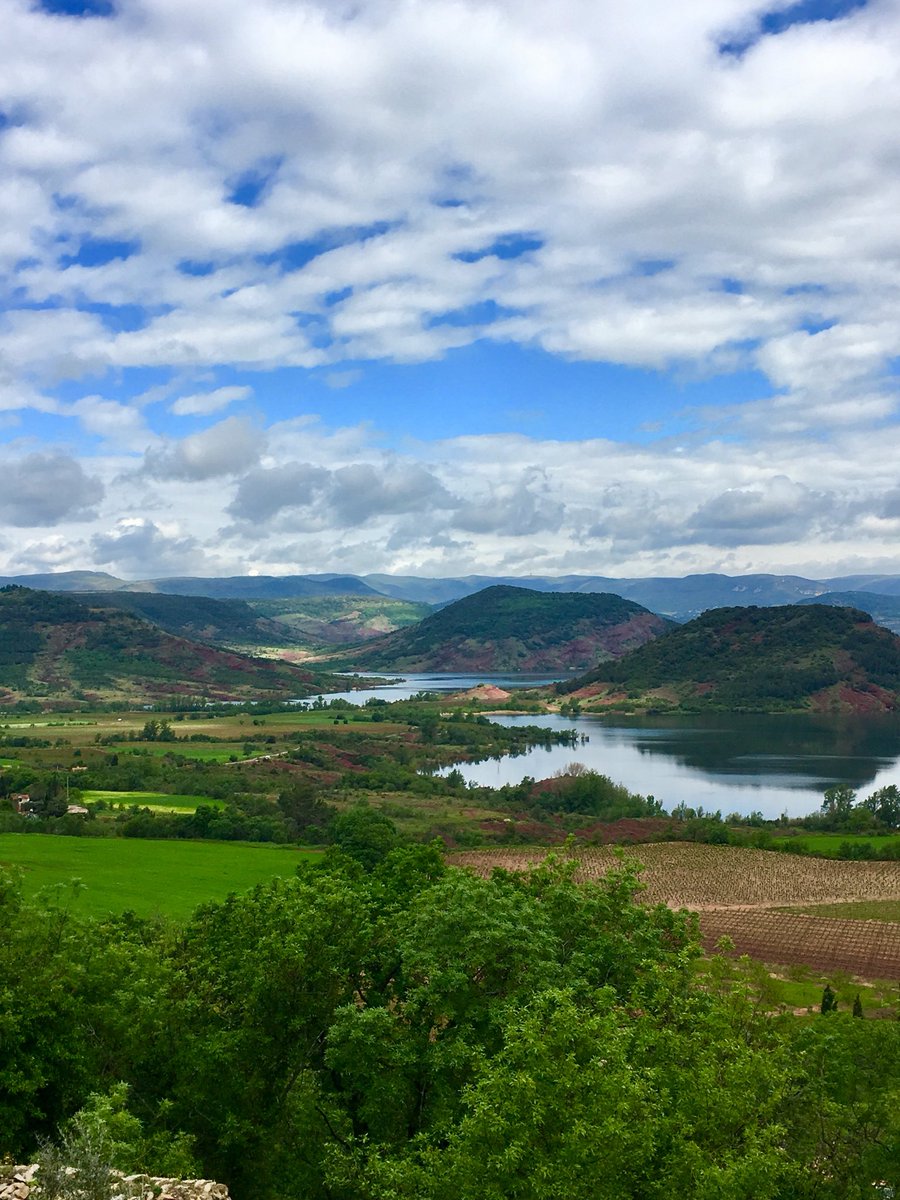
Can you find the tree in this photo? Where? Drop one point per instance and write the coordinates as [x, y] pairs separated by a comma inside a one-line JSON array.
[[884, 804], [838, 804], [306, 812], [365, 834], [829, 1000]]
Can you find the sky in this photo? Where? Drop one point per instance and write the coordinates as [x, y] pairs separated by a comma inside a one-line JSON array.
[[438, 287]]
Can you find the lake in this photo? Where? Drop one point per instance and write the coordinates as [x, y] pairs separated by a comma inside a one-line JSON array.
[[742, 763], [403, 687]]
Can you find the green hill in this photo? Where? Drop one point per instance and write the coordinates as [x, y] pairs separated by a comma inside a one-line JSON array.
[[515, 629], [884, 610], [200, 618], [789, 657], [54, 647]]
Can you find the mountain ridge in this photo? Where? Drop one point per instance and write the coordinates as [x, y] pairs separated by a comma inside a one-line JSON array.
[[678, 597]]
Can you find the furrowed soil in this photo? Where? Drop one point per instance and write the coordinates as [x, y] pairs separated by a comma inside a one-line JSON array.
[[742, 894]]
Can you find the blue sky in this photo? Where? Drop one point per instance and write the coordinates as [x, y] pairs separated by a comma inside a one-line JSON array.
[[449, 286]]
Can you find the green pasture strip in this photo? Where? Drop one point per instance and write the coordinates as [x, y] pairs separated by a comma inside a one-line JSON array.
[[828, 843], [157, 801], [856, 910], [148, 877], [200, 751]]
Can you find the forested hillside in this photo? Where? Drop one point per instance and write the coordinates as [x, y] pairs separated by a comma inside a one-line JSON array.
[[515, 629], [56, 647], [791, 656], [200, 618]]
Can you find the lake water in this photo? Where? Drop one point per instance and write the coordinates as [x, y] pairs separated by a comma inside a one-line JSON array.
[[742, 763], [402, 687]]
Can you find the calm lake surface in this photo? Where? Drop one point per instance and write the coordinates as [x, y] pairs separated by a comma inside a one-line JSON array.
[[405, 686], [743, 763]]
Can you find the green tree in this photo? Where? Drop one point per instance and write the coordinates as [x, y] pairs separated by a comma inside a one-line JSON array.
[[365, 834]]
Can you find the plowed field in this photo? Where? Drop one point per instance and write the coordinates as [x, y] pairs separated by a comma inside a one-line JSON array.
[[738, 891]]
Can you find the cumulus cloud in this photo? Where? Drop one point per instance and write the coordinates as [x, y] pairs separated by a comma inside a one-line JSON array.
[[360, 491], [777, 511], [224, 449], [139, 548], [47, 489], [188, 189], [265, 187], [265, 491]]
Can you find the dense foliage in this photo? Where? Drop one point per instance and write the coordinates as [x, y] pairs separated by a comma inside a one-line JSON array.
[[410, 1030], [759, 658]]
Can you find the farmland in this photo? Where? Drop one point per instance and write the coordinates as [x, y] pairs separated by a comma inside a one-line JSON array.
[[830, 844], [146, 877], [155, 801], [742, 893]]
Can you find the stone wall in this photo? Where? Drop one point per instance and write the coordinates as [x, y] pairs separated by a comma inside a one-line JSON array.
[[21, 1183]]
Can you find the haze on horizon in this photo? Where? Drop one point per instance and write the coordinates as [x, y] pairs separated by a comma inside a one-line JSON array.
[[449, 286]]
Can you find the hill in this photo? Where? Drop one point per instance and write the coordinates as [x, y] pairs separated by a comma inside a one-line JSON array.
[[199, 618], [789, 657], [884, 610], [55, 647], [325, 622], [506, 628]]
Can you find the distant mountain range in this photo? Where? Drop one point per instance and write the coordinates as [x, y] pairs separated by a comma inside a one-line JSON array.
[[679, 598], [506, 628], [790, 657], [53, 647]]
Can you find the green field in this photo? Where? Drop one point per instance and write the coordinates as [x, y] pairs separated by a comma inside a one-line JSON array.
[[155, 801], [827, 843], [857, 910], [150, 878]]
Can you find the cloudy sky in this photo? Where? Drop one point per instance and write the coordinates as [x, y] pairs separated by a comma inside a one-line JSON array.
[[440, 286]]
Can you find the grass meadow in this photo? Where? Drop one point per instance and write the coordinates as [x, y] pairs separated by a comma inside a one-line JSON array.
[[150, 878], [828, 843]]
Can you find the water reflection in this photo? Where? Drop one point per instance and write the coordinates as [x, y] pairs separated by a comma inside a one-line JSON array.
[[773, 765], [741, 763]]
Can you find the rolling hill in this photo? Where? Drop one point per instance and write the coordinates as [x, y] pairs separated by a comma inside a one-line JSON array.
[[199, 618], [53, 647], [506, 628], [762, 659], [884, 610]]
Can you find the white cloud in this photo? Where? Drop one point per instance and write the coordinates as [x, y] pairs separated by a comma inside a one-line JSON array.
[[46, 489], [678, 207], [201, 404], [139, 548], [615, 138], [228, 448]]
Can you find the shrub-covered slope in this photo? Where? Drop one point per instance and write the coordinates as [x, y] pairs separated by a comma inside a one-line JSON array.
[[516, 629], [200, 618], [793, 656], [55, 647]]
